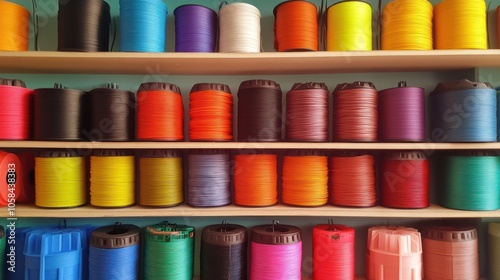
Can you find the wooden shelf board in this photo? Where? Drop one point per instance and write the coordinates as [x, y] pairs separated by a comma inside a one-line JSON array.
[[247, 145], [245, 63], [433, 211]]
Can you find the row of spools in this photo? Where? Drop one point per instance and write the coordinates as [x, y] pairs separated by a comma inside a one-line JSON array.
[[440, 250], [215, 178], [345, 26], [461, 111]]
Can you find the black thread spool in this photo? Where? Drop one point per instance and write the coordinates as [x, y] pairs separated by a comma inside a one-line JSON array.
[[83, 26], [112, 114], [223, 252], [259, 111], [58, 113]]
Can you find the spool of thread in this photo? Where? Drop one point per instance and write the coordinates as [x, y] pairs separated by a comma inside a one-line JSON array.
[[210, 112], [60, 179], [143, 25], [463, 111], [223, 252], [112, 114], [25, 178], [493, 251], [114, 252], [394, 253], [470, 180], [195, 29], [275, 252], [3, 244], [16, 102], [10, 188], [352, 179], [209, 178], [460, 24], [14, 27], [160, 112], [333, 252], [355, 112], [349, 26], [239, 28], [161, 178], [259, 111], [55, 254], [307, 112], [168, 252], [305, 179], [405, 180], [450, 252], [256, 179], [58, 113], [296, 26], [83, 26], [402, 114], [112, 179], [407, 25]]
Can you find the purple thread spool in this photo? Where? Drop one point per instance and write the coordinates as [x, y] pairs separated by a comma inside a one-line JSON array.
[[195, 29], [402, 114]]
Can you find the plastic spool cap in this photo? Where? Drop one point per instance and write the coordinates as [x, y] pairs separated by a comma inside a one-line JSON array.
[[165, 232], [57, 154], [463, 84], [12, 82], [309, 85], [210, 86], [355, 85], [116, 236], [473, 153], [276, 234], [259, 84], [111, 153], [159, 86], [334, 232], [406, 155], [156, 153], [7, 161], [449, 233], [224, 235]]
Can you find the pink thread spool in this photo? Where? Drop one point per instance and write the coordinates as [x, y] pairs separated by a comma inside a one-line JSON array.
[[394, 253]]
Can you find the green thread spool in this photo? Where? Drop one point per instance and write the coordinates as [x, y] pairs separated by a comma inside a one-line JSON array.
[[470, 181], [169, 252], [3, 243], [494, 251]]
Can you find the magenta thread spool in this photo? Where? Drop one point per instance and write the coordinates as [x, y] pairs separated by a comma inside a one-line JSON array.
[[402, 114]]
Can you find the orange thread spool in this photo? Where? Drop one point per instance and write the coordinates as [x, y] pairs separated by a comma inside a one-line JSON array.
[[305, 180], [296, 26], [256, 180], [160, 112], [352, 180], [211, 113], [14, 27]]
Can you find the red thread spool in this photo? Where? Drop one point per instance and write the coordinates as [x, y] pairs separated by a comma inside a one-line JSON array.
[[333, 252], [256, 179], [307, 112], [405, 180], [160, 112], [450, 252], [394, 253], [16, 116], [355, 112], [296, 26], [11, 186], [352, 179], [211, 113]]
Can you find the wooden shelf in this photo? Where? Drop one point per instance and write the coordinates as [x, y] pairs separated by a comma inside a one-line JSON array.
[[433, 211], [245, 63], [247, 145]]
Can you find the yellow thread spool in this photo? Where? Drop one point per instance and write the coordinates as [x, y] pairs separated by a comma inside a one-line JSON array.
[[349, 26], [407, 25], [14, 27], [60, 181], [161, 179], [460, 24], [112, 180]]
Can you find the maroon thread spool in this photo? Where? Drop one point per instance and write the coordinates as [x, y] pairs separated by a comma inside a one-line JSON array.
[[405, 180], [402, 114], [355, 116], [260, 111], [307, 112]]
